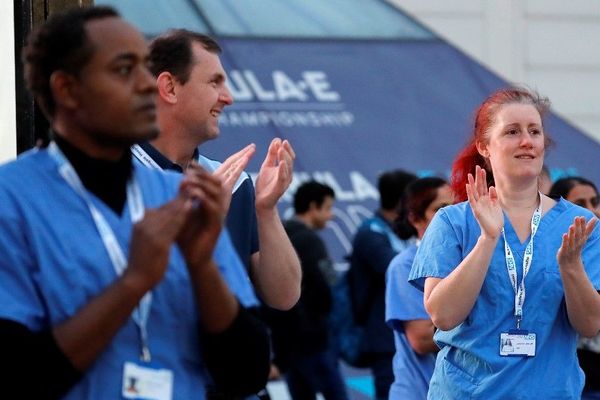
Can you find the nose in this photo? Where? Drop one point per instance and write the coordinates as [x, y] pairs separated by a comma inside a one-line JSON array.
[[588, 205], [146, 81], [225, 96], [527, 140], [591, 204]]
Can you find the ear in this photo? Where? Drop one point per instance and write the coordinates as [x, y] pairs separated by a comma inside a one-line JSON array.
[[63, 87], [415, 221], [482, 149], [166, 87]]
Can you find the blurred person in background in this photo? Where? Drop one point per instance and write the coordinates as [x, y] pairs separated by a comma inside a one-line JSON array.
[[300, 336], [405, 313], [478, 257], [373, 247], [577, 190], [583, 192]]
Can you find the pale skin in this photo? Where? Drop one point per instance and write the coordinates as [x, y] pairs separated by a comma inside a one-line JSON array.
[[275, 269], [450, 300]]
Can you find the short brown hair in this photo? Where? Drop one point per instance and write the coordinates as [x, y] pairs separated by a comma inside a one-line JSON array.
[[172, 52]]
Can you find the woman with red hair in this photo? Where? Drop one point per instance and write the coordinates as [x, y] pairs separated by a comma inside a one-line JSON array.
[[509, 265]]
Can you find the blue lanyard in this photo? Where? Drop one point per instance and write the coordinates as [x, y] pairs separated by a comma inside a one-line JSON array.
[[511, 264], [136, 208]]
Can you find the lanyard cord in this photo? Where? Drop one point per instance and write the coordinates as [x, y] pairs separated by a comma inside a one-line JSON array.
[[527, 260], [136, 208]]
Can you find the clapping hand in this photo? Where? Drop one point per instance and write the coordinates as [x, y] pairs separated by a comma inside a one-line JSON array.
[[231, 169], [573, 241], [485, 204], [202, 228], [275, 174], [151, 241]]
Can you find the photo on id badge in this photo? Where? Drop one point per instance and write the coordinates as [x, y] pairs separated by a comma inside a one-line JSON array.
[[507, 346], [517, 343]]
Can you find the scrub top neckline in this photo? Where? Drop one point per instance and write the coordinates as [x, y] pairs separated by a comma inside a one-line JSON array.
[[108, 212], [547, 218]]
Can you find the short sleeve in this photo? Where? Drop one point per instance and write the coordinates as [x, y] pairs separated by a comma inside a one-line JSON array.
[[254, 244], [591, 257], [233, 271], [19, 295], [439, 253], [242, 222], [403, 302]]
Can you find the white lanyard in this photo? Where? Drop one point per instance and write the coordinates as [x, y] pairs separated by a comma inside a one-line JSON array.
[[511, 265], [115, 252], [143, 157]]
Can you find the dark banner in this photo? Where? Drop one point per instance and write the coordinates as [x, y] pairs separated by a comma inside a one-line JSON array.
[[354, 109]]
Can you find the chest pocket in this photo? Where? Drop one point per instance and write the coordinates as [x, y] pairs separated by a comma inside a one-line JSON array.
[[496, 298], [549, 287]]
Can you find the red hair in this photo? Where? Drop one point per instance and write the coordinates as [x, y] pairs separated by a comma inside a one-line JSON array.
[[485, 115]]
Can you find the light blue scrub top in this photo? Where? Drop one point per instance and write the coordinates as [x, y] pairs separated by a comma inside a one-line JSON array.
[[469, 365], [53, 262], [233, 271], [230, 264], [404, 302]]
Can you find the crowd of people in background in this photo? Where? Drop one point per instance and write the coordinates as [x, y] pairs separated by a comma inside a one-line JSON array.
[[132, 266]]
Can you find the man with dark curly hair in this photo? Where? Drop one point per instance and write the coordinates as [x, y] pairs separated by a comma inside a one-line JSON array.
[[107, 281]]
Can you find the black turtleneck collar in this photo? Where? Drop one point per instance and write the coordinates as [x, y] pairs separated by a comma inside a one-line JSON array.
[[106, 179]]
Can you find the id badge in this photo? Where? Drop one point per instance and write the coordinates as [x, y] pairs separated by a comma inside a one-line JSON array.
[[517, 343], [146, 382]]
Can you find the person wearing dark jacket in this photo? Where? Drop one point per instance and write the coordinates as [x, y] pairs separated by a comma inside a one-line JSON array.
[[300, 335], [375, 244]]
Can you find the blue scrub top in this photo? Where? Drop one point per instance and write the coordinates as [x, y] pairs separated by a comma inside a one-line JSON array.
[[53, 262], [469, 364], [231, 266], [404, 302]]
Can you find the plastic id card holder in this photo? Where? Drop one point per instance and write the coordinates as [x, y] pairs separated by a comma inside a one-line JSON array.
[[517, 343], [146, 382]]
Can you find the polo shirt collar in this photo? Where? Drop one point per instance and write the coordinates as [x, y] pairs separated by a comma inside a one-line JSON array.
[[162, 161]]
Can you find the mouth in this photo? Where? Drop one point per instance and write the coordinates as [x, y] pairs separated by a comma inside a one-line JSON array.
[[215, 113], [147, 107], [148, 110], [525, 157]]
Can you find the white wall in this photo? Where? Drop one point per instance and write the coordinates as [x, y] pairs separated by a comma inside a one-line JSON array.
[[8, 124], [550, 45]]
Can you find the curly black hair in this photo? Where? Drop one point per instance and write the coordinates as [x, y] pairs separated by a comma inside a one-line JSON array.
[[60, 44]]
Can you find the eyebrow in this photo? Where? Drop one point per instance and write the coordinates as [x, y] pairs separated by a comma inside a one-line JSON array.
[[516, 124], [218, 77], [129, 57]]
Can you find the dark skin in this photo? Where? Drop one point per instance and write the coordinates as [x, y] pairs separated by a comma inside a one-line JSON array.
[[104, 110]]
